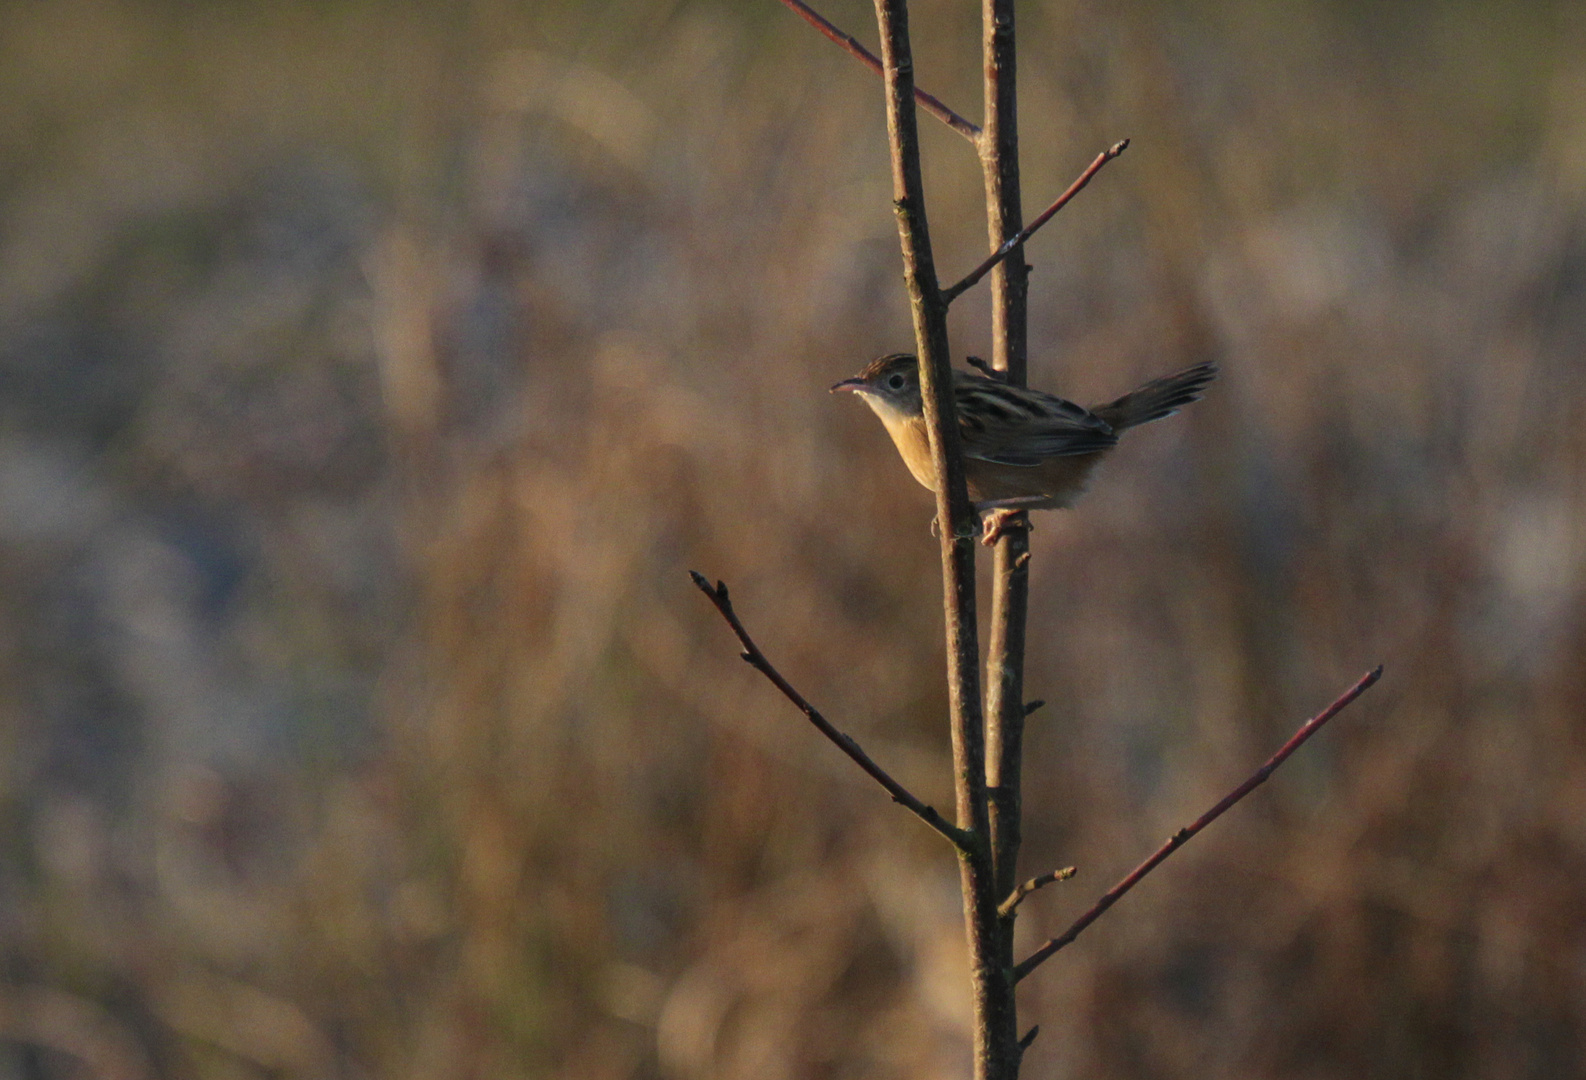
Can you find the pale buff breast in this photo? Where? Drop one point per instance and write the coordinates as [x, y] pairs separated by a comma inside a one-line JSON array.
[[1061, 480]]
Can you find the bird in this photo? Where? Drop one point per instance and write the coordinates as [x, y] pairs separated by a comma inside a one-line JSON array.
[[1023, 449]]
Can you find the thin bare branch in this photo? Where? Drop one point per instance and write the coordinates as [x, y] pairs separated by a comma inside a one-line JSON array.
[[989, 964], [929, 102], [1031, 706], [1008, 906], [1180, 838], [717, 595], [1013, 243], [953, 508], [1029, 1037]]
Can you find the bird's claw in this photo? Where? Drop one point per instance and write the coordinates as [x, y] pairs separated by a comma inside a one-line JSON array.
[[999, 521]]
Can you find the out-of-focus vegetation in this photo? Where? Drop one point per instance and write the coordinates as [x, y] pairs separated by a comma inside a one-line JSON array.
[[370, 373]]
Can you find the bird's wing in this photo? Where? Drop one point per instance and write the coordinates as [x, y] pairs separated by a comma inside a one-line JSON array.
[[1017, 426]]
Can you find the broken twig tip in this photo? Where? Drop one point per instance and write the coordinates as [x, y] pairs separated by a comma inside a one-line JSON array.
[[1031, 706]]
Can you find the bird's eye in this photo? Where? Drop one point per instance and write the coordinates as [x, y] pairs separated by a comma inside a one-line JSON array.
[[896, 381]]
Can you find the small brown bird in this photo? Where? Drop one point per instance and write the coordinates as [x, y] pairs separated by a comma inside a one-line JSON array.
[[1023, 449]]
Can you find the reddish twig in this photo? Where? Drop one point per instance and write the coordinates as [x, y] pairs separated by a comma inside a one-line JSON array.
[[929, 102], [1181, 837], [756, 659], [1008, 906], [1012, 243]]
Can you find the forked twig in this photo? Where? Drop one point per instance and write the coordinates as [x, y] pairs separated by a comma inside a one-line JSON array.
[[1009, 245], [717, 595], [1178, 839], [929, 102]]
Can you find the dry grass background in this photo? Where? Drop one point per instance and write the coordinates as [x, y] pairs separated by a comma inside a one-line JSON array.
[[370, 374]]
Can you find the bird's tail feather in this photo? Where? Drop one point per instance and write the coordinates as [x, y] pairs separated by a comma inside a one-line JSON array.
[[1157, 398]]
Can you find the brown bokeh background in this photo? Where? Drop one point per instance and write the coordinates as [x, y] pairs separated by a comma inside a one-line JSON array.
[[372, 372]]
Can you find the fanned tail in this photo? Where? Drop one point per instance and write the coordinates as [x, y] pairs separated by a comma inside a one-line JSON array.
[[1157, 398]]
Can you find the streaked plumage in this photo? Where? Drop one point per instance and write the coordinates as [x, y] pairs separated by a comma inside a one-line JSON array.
[[1023, 449]]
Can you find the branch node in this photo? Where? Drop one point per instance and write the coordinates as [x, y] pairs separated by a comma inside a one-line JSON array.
[[1031, 706]]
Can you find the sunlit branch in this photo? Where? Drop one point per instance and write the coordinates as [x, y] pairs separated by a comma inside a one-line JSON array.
[[1178, 839], [929, 102], [717, 595], [1012, 243]]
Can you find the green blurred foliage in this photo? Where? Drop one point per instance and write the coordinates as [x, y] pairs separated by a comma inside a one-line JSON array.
[[371, 373]]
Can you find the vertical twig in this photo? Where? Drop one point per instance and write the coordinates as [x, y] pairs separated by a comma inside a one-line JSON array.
[[990, 979], [999, 163]]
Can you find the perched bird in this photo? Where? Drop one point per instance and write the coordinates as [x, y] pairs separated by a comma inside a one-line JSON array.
[[1023, 449]]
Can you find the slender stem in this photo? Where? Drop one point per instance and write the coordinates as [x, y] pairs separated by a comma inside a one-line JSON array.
[[756, 659], [1014, 242], [952, 495], [990, 980], [929, 102], [1010, 575], [1180, 838]]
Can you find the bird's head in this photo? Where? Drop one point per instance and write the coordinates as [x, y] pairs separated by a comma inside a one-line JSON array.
[[890, 385]]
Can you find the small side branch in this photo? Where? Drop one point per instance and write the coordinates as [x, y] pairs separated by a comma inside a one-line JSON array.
[[1014, 242], [929, 102], [1011, 904], [717, 595], [1180, 838]]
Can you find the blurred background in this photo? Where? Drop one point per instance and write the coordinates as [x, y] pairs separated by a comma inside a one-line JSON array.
[[372, 372]]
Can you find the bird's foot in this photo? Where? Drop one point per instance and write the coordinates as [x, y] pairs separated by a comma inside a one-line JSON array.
[[999, 521]]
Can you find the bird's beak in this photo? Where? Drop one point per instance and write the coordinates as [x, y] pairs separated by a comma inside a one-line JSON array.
[[855, 383]]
